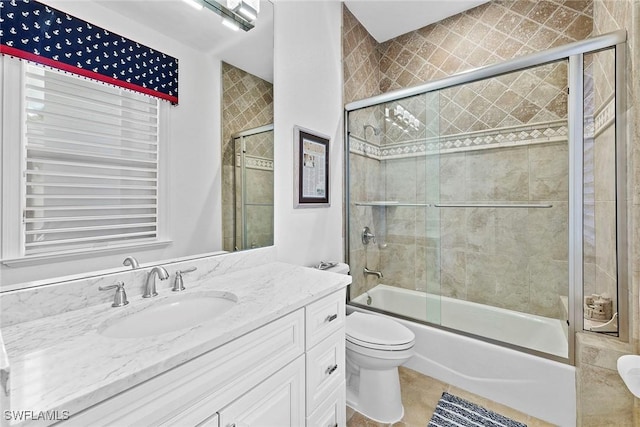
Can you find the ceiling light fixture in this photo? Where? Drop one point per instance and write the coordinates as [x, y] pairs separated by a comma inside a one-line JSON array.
[[402, 118], [230, 18], [233, 25], [248, 9]]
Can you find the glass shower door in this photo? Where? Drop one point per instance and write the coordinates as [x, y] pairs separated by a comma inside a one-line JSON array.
[[504, 208], [393, 179], [253, 214]]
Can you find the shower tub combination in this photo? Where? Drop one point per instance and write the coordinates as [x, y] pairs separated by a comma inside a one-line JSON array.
[[523, 330], [534, 385], [404, 189]]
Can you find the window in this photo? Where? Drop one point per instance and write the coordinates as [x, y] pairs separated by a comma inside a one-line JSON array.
[[88, 166]]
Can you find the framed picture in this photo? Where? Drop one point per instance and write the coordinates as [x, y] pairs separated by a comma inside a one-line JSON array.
[[311, 169]]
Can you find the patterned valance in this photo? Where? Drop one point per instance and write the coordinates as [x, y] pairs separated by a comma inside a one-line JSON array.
[[33, 31]]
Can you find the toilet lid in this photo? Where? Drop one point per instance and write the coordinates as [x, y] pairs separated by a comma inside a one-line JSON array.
[[377, 331]]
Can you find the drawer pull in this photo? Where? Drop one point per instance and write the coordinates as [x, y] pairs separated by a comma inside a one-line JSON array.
[[331, 318], [335, 425], [331, 369]]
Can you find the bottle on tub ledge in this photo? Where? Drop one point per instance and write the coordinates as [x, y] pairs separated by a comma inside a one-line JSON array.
[[598, 307]]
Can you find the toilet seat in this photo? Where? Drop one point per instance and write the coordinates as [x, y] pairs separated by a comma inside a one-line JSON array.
[[377, 332], [383, 347]]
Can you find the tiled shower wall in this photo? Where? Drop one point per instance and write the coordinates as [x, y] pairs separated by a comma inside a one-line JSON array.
[[600, 269], [603, 399], [247, 102], [487, 34], [469, 239], [361, 59]]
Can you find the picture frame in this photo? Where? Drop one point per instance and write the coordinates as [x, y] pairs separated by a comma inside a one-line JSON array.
[[311, 169]]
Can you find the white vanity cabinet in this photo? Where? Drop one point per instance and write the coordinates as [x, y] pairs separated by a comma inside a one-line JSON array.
[[287, 373], [325, 362], [276, 402]]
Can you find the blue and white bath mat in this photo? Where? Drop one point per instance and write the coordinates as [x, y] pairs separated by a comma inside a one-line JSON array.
[[453, 411]]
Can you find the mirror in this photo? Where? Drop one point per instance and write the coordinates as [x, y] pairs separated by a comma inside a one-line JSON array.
[[247, 138], [247, 160], [245, 61], [247, 103]]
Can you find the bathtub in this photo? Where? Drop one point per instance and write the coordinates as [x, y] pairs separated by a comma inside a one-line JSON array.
[[534, 385]]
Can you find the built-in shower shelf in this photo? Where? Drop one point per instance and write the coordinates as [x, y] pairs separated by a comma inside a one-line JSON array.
[[390, 203], [457, 205]]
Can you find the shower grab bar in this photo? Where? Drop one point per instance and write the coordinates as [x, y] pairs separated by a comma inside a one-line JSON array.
[[492, 205], [457, 205]]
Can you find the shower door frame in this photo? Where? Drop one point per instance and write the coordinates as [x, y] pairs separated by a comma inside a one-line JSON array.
[[574, 53], [241, 136]]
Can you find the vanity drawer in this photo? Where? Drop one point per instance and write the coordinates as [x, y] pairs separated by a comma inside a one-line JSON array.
[[325, 369], [332, 412], [324, 317]]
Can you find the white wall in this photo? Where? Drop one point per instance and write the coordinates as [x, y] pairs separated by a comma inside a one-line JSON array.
[[193, 156], [308, 93]]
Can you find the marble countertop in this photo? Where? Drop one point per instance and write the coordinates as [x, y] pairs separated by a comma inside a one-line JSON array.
[[4, 377], [61, 363]]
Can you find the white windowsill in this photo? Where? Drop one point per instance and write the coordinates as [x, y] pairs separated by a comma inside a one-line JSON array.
[[61, 256]]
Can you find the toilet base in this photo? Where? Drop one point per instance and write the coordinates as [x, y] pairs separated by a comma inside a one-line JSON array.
[[377, 395]]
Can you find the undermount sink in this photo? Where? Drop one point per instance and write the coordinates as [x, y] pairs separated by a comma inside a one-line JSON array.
[[629, 370], [171, 314]]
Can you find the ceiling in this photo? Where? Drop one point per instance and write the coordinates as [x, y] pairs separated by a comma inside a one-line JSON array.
[[386, 19], [252, 51]]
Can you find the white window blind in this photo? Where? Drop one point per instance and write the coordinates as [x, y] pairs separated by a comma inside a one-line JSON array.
[[90, 164]]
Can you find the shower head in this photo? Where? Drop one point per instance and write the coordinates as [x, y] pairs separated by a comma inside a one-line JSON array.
[[376, 131]]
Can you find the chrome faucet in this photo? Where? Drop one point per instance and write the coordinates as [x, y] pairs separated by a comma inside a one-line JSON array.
[[368, 236], [131, 261], [375, 273], [150, 286]]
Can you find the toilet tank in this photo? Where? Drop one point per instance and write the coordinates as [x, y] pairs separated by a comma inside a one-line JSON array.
[[340, 267]]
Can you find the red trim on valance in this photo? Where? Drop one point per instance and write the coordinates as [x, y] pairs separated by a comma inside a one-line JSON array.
[[83, 72]]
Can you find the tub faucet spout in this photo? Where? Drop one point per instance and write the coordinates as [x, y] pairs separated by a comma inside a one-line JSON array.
[[375, 273]]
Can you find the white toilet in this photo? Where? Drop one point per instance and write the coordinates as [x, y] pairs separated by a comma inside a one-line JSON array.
[[375, 347]]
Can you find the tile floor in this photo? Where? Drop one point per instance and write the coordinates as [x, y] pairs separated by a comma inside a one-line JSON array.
[[420, 395]]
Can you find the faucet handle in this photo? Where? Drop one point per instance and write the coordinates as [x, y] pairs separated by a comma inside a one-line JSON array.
[[368, 236], [120, 298], [188, 270], [178, 285]]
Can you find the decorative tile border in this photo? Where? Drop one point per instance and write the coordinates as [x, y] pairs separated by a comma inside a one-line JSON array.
[[495, 138], [251, 162], [605, 117], [364, 148]]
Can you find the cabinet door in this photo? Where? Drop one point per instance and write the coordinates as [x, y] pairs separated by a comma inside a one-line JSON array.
[[331, 412], [277, 402]]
